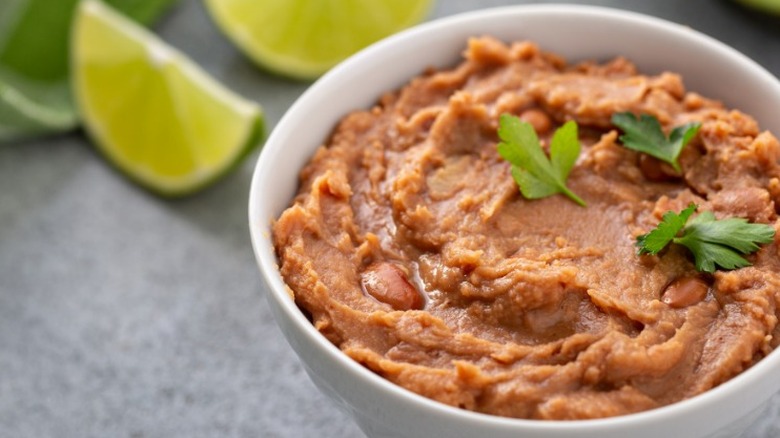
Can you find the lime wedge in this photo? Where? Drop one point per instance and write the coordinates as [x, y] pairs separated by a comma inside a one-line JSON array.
[[304, 38], [154, 114]]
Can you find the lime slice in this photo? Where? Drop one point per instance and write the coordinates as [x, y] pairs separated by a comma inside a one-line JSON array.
[[304, 38], [153, 113]]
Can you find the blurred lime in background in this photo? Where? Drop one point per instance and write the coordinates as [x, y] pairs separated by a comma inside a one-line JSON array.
[[35, 95], [772, 6], [304, 38]]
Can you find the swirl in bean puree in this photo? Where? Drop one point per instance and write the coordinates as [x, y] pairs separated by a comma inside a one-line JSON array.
[[412, 249]]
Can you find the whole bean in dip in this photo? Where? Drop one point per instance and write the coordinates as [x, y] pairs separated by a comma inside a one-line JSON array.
[[412, 249]]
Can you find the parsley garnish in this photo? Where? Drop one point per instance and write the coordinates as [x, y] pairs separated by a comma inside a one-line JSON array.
[[712, 241], [538, 176], [644, 134]]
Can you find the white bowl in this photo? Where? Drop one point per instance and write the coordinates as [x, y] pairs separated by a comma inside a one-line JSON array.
[[383, 409]]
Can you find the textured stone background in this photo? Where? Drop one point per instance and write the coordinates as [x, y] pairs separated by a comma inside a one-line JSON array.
[[122, 315]]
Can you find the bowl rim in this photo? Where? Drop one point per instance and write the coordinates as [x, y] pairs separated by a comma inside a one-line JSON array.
[[278, 291]]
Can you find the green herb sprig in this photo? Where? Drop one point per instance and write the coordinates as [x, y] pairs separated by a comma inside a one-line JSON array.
[[644, 134], [535, 174], [712, 242]]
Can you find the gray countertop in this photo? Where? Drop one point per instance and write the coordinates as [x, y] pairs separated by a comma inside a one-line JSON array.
[[124, 315]]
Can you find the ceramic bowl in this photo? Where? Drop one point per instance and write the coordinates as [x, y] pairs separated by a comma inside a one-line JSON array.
[[383, 409]]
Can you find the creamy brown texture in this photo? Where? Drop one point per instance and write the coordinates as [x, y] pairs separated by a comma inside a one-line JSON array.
[[533, 309]]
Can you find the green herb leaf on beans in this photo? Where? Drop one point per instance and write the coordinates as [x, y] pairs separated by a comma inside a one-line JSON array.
[[665, 232], [644, 134], [713, 243], [535, 174]]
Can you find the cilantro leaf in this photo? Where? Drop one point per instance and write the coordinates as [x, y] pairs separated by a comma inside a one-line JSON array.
[[712, 242], [720, 242], [665, 232], [535, 174], [644, 134]]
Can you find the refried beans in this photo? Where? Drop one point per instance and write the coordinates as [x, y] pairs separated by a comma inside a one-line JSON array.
[[411, 248]]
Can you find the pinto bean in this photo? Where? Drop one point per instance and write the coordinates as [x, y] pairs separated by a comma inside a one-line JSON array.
[[753, 203], [388, 283], [685, 291], [655, 170], [538, 119]]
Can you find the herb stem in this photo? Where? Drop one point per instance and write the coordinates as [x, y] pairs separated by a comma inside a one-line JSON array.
[[573, 196]]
